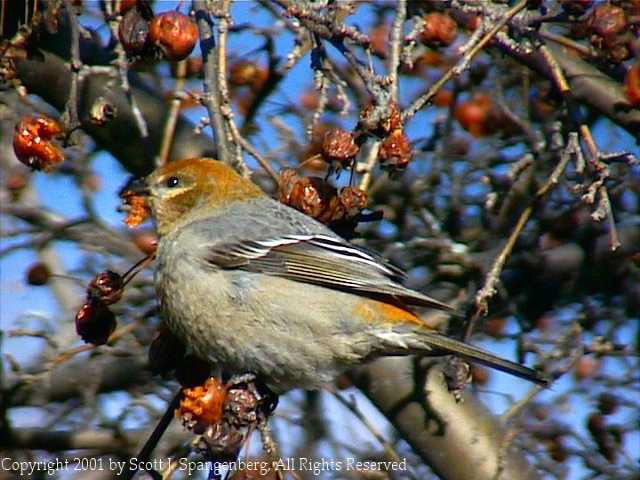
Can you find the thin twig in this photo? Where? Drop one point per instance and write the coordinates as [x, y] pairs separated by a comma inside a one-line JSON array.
[[211, 95], [556, 70], [71, 108], [488, 290], [336, 32], [396, 35], [372, 157], [122, 64], [264, 163], [521, 404], [352, 406], [320, 82], [113, 338], [223, 16], [567, 42], [172, 116], [602, 170], [614, 239], [463, 62], [155, 436]]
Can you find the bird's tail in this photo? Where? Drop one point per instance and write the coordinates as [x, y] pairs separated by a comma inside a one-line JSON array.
[[434, 341]]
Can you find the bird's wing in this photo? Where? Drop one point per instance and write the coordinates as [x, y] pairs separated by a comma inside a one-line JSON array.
[[321, 260]]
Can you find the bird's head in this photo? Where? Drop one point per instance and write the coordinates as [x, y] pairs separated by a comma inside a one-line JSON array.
[[185, 190]]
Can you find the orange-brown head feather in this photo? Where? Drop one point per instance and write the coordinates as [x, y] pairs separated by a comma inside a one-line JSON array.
[[186, 189]]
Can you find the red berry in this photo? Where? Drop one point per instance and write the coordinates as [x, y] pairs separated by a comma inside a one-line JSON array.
[[174, 33], [443, 98], [95, 322], [106, 287], [632, 84], [479, 115], [38, 274], [586, 367], [439, 29]]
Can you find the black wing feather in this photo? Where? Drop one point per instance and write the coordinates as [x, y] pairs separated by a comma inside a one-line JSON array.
[[320, 260]]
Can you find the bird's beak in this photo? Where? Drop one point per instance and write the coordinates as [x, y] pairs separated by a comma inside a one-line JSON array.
[[139, 187]]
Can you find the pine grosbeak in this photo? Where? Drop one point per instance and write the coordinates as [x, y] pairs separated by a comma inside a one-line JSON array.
[[254, 286]]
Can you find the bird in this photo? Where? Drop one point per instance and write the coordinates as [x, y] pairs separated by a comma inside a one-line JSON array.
[[251, 285]]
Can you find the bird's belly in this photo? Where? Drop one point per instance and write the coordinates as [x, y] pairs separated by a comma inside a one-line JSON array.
[[246, 322]]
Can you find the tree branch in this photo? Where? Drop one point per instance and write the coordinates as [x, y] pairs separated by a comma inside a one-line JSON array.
[[457, 440]]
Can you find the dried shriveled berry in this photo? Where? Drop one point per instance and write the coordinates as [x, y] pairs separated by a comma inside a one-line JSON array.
[[632, 84], [395, 151], [586, 367], [38, 274], [311, 157], [439, 29], [353, 200], [607, 27], [32, 142], [147, 242], [540, 412], [95, 322], [339, 148], [136, 206], [607, 20], [174, 33], [248, 74], [310, 195], [133, 32], [602, 435], [165, 352], [203, 405], [479, 375], [608, 403], [443, 98], [242, 407], [224, 441], [433, 59], [15, 182], [243, 73], [106, 287], [315, 197], [379, 36], [288, 179], [557, 450], [380, 122], [479, 115]]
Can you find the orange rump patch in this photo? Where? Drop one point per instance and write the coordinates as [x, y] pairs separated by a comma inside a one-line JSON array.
[[373, 311]]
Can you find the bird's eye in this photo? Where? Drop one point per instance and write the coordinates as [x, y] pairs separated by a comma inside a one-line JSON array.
[[172, 182]]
